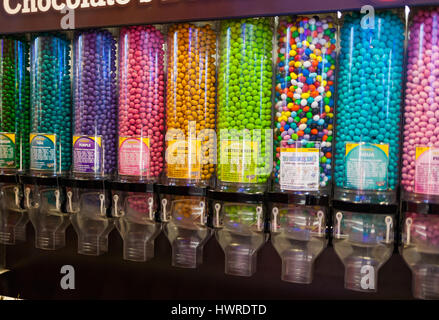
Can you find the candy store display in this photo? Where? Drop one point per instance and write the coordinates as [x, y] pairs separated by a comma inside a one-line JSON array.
[[95, 103], [369, 108], [420, 250], [245, 104], [363, 241], [51, 118], [298, 233], [141, 103], [14, 104], [420, 164], [304, 102], [190, 103]]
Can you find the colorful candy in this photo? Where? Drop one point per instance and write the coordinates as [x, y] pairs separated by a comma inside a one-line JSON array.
[[191, 102], [95, 102], [304, 110], [424, 231], [244, 101], [51, 119], [369, 102], [141, 102], [421, 130], [14, 104]]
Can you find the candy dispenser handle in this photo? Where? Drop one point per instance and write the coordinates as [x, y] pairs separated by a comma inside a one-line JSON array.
[[217, 214], [388, 221], [116, 206], [320, 216], [275, 212], [408, 224], [102, 199], [26, 196], [17, 196], [69, 198], [338, 217], [57, 202], [164, 213], [150, 205], [259, 216], [202, 212]]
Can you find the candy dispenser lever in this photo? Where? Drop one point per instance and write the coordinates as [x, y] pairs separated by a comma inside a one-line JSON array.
[[102, 206], [259, 217], [116, 206], [150, 208], [202, 212], [69, 199], [388, 221], [57, 200], [274, 224], [408, 224], [338, 217], [320, 215], [164, 213], [26, 196], [217, 214], [17, 196]]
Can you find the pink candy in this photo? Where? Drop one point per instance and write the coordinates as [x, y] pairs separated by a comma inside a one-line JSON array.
[[141, 90], [422, 91]]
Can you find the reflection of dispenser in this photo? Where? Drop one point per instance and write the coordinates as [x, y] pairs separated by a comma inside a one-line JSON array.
[[240, 224], [43, 198], [135, 206], [420, 247], [89, 205], [363, 238], [298, 233], [13, 215], [184, 214]]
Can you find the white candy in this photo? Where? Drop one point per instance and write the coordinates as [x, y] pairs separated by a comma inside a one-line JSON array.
[[303, 102], [323, 144], [302, 126], [283, 96], [329, 132], [293, 82], [318, 98], [325, 26], [278, 114], [312, 47], [312, 21], [314, 105], [320, 89], [299, 90], [307, 64], [322, 41], [316, 117], [296, 96], [328, 144], [300, 84], [282, 50]]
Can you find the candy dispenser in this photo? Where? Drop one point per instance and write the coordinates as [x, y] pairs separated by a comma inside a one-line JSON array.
[[190, 113], [51, 134], [304, 103], [14, 136], [184, 214], [420, 247], [368, 117], [135, 206], [43, 199], [14, 105], [298, 233], [88, 202], [244, 105], [363, 239], [239, 222], [141, 103], [95, 104]]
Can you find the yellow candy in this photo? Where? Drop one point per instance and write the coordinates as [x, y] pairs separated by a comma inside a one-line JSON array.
[[290, 105], [327, 109], [330, 115], [328, 94], [293, 76], [305, 95], [312, 56], [324, 83], [298, 64], [293, 53], [319, 58], [330, 127], [319, 78]]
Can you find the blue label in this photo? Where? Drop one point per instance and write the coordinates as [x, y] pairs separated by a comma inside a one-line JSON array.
[[42, 152], [366, 166]]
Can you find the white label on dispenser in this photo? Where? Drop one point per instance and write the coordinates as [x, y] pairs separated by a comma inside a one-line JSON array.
[[299, 168], [427, 170]]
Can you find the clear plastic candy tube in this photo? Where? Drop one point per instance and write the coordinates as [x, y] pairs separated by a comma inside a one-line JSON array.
[[95, 103], [51, 118], [244, 103], [190, 103], [304, 102], [141, 102], [420, 163], [14, 105], [369, 107]]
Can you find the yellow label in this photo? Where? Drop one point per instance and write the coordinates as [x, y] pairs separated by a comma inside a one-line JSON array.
[[421, 150], [51, 137], [183, 159], [132, 140], [9, 135], [238, 161], [350, 146], [97, 139], [299, 149]]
